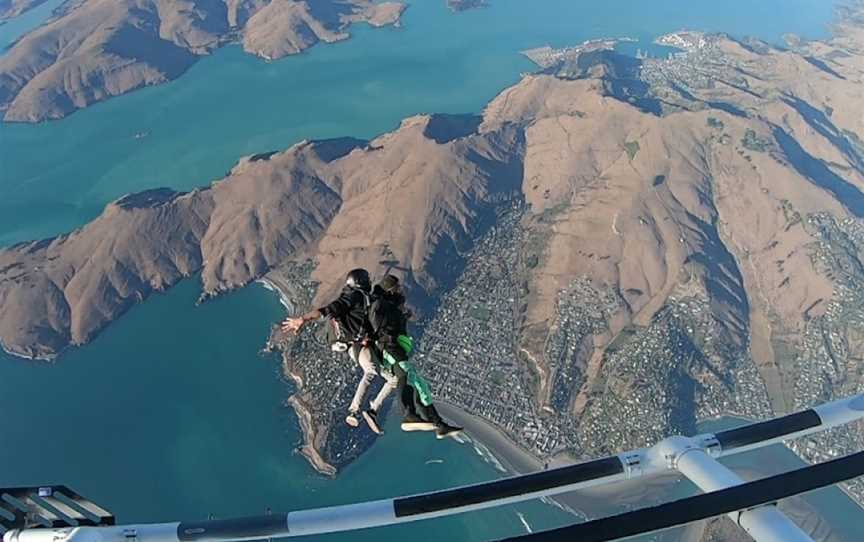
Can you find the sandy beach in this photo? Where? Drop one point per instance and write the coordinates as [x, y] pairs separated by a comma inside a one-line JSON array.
[[514, 458], [271, 282]]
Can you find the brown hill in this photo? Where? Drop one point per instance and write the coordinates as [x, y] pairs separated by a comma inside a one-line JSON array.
[[98, 48], [61, 291]]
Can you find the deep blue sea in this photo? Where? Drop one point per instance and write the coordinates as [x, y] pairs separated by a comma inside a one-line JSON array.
[[171, 413]]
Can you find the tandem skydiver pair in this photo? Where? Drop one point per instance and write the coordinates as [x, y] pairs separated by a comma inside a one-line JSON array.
[[371, 324]]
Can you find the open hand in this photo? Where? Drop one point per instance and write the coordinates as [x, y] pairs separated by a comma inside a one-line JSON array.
[[292, 325]]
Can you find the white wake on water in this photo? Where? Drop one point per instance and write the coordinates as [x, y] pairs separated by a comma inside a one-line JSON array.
[[524, 521]]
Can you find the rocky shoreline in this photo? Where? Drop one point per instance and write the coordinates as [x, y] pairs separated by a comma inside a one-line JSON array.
[[310, 435]]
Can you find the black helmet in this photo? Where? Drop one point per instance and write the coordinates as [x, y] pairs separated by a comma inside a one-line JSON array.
[[359, 279], [389, 283]]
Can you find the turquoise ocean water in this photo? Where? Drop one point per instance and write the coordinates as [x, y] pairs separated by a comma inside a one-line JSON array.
[[171, 412], [13, 29]]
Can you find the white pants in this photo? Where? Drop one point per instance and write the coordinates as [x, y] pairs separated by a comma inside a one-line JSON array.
[[364, 357]]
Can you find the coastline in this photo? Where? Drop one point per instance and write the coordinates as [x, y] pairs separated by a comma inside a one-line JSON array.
[[270, 284], [49, 358], [310, 433], [513, 458], [489, 440], [304, 416]]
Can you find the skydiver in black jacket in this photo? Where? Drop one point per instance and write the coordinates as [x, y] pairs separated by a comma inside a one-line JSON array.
[[388, 318], [350, 312]]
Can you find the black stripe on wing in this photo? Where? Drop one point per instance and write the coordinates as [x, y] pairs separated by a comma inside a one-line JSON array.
[[708, 505], [767, 430], [508, 487]]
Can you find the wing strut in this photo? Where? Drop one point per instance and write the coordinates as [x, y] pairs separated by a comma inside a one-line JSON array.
[[694, 457], [766, 491]]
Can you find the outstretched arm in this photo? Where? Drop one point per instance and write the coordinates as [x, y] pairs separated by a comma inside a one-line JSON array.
[[337, 308], [294, 325]]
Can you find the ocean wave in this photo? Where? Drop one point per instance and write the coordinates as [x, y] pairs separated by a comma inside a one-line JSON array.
[[284, 301]]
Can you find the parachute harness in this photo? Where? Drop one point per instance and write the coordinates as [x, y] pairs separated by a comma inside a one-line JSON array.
[[412, 377]]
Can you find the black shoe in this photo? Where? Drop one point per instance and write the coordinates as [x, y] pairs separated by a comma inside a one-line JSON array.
[[371, 418], [412, 422], [443, 430]]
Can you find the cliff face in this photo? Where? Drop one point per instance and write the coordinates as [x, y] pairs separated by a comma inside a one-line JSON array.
[[650, 185], [99, 49]]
